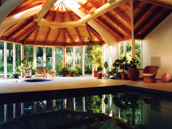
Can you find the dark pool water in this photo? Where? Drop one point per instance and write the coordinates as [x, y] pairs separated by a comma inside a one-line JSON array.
[[36, 80]]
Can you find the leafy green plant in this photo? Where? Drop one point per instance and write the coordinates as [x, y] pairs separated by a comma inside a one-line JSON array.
[[122, 64], [106, 65], [16, 75], [63, 71], [94, 54], [99, 68]]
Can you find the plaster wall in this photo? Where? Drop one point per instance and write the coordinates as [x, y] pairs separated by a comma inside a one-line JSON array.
[[157, 116], [158, 43]]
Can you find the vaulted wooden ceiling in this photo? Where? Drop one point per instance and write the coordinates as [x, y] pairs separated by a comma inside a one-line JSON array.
[[147, 15]]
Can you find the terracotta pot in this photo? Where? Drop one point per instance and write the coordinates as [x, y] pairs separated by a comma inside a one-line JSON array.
[[133, 74], [99, 76], [95, 73], [123, 76]]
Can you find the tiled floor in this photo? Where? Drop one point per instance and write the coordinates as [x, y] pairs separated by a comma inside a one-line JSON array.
[[60, 83]]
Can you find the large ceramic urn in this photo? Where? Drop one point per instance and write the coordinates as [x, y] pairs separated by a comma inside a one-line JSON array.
[[133, 73]]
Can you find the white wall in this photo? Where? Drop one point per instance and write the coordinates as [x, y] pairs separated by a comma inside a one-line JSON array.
[[159, 43]]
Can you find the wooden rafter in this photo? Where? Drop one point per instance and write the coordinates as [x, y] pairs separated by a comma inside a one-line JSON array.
[[89, 34], [122, 15], [20, 28], [26, 32], [46, 15], [127, 6], [28, 35], [142, 13], [135, 5], [36, 35], [63, 34], [95, 34], [69, 35], [117, 23], [76, 29], [110, 27], [148, 20], [49, 30], [58, 34], [55, 16], [157, 22], [31, 5]]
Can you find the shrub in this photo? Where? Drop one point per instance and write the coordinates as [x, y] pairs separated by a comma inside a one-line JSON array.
[[79, 68]]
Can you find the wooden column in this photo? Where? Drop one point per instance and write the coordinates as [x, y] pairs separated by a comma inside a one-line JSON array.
[[34, 56], [132, 30], [74, 57], [5, 112], [5, 59], [64, 57], [14, 57], [83, 60], [53, 58], [44, 56], [14, 110]]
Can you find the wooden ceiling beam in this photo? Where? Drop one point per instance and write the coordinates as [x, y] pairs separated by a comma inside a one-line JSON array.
[[110, 27], [142, 13], [58, 34], [69, 35], [26, 32], [36, 35], [148, 20], [122, 15], [49, 29], [56, 13], [20, 28], [119, 24], [28, 35], [157, 22], [63, 33], [95, 34]]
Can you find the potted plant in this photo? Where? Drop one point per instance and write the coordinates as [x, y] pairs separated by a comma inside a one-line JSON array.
[[123, 65], [99, 74], [133, 72], [16, 75], [106, 66], [94, 55]]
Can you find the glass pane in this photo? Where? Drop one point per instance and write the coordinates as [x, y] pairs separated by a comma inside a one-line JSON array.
[[138, 52], [48, 57], [88, 65], [78, 59], [9, 112], [78, 101], [28, 53], [58, 58], [69, 104], [49, 105], [1, 59], [40, 106], [121, 55], [107, 58], [39, 55], [128, 50], [59, 104], [28, 108], [1, 113], [18, 56], [18, 109], [9, 58], [69, 57]]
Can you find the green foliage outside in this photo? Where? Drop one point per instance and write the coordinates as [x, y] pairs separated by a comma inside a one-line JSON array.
[[128, 51], [68, 72], [58, 58]]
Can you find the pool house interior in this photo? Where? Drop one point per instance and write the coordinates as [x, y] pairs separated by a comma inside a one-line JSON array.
[[56, 34]]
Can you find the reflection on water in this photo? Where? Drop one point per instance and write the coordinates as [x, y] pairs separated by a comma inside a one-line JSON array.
[[143, 111]]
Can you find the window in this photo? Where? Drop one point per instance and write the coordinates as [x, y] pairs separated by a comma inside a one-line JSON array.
[[1, 59], [18, 56], [59, 58], [9, 58], [39, 56], [28, 52], [69, 57], [49, 57], [128, 51], [78, 59]]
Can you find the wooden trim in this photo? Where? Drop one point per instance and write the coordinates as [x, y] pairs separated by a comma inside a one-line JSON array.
[[70, 37], [36, 35], [127, 6], [58, 34], [28, 35], [49, 29]]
